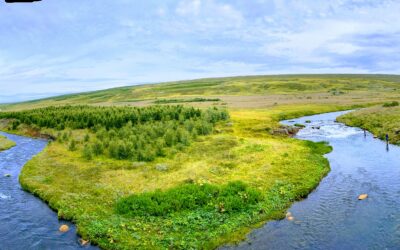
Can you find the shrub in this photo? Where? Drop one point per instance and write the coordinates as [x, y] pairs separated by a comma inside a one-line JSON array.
[[72, 145], [87, 152], [232, 197], [391, 104]]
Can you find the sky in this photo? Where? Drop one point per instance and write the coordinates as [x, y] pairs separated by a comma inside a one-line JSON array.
[[54, 47]]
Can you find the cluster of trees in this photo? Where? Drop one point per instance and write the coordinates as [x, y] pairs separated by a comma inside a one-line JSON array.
[[80, 117], [138, 134]]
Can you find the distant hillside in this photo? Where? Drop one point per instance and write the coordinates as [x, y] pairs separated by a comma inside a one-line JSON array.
[[330, 85]]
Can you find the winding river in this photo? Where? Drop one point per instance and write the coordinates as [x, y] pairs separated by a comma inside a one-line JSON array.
[[332, 217], [25, 221]]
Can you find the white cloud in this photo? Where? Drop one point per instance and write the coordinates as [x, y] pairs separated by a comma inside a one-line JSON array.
[[59, 47]]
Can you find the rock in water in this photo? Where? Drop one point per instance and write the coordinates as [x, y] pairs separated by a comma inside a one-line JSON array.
[[83, 242], [290, 218], [7, 175], [363, 196], [64, 228]]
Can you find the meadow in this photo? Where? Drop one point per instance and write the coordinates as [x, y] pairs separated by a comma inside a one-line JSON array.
[[242, 172], [239, 92]]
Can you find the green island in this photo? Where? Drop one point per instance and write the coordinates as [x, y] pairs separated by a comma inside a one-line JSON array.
[[132, 174], [5, 143]]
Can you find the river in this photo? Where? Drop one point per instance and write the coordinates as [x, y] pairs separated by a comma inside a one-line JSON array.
[[26, 222], [332, 217]]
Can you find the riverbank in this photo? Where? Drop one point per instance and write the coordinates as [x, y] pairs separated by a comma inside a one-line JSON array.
[[378, 120], [333, 217], [5, 143], [86, 192], [27, 222]]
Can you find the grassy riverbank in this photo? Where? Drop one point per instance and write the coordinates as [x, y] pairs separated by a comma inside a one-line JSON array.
[[5, 143], [379, 120], [248, 172]]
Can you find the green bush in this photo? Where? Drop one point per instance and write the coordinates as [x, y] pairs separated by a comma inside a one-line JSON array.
[[391, 104], [72, 145], [232, 197]]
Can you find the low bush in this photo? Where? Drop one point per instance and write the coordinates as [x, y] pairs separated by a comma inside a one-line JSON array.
[[391, 104], [232, 197]]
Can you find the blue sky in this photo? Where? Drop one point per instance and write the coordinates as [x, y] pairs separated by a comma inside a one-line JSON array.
[[63, 46]]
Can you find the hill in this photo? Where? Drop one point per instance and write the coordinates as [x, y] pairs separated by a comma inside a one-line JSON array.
[[243, 91]]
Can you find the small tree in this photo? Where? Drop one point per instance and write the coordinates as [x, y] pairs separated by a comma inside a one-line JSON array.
[[72, 145], [87, 153]]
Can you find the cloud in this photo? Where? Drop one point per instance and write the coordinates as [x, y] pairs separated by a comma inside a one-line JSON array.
[[60, 46]]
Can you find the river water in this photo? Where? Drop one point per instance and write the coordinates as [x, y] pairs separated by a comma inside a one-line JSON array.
[[26, 222], [332, 217]]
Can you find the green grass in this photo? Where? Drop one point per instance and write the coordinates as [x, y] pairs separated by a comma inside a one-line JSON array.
[[378, 120], [5, 143]]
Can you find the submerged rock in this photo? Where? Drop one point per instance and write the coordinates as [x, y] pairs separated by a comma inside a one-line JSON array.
[[289, 216], [286, 130], [64, 228], [7, 175], [363, 196], [83, 242]]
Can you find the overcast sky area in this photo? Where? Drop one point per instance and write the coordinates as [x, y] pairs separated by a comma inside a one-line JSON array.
[[63, 46]]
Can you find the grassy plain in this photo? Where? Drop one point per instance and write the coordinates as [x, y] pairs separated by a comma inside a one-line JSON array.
[[242, 92], [5, 143], [244, 149]]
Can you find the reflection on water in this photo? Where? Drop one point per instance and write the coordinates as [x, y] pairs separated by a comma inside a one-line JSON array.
[[332, 217], [25, 221]]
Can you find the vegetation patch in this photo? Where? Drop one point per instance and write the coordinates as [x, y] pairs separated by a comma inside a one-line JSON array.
[[229, 198], [137, 134], [390, 104], [5, 143], [197, 99]]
